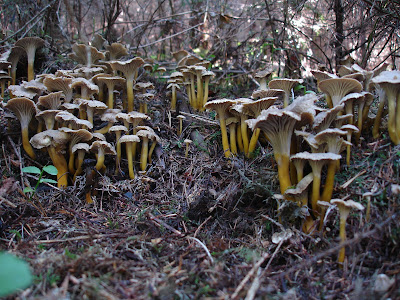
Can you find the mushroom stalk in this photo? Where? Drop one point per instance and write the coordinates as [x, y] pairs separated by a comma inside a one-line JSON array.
[[129, 157], [61, 164], [342, 234], [232, 138], [129, 93], [25, 142], [253, 141], [283, 162], [144, 154], [379, 114], [224, 134]]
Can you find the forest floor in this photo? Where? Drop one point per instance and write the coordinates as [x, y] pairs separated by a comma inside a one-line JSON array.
[[199, 227]]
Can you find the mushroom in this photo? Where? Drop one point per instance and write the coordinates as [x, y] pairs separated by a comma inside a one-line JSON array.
[[50, 101], [145, 135], [345, 207], [116, 51], [128, 68], [30, 44], [187, 143], [316, 161], [130, 140], [92, 108], [54, 141], [390, 82], [13, 58], [278, 125], [221, 106], [108, 116], [102, 148], [4, 78], [87, 88], [118, 130], [63, 84], [180, 118], [336, 88], [173, 87], [48, 117], [285, 84], [262, 77], [254, 109], [24, 109], [75, 136], [206, 75], [82, 149], [237, 110], [85, 54]]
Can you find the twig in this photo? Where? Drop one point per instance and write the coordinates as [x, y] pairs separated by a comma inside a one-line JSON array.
[[9, 203], [248, 276], [200, 118], [350, 181], [159, 222], [201, 225], [203, 246], [79, 238]]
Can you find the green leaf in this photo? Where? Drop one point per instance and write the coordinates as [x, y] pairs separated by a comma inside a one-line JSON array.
[[47, 180], [28, 190], [33, 170], [14, 274], [52, 170]]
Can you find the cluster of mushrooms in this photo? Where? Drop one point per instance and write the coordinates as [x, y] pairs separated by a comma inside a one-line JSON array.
[[75, 112], [306, 137], [69, 105], [193, 73]]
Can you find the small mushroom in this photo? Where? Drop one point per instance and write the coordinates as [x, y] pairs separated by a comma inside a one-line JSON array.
[[345, 207], [187, 143], [130, 140]]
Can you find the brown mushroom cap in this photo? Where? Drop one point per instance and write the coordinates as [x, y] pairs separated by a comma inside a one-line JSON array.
[[337, 88], [324, 119], [80, 146], [258, 94], [48, 116], [23, 108], [49, 138], [116, 51], [285, 84], [104, 146], [55, 84], [178, 55], [30, 44], [50, 101], [254, 108], [129, 138], [128, 67]]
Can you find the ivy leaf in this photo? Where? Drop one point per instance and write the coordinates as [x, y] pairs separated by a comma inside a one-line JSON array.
[[52, 170], [14, 274], [31, 169]]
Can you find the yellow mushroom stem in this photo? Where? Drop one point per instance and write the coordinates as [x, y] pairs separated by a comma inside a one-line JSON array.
[[200, 97], [71, 161], [206, 83], [173, 97], [282, 161], [224, 134], [61, 164], [232, 138], [245, 137], [391, 98], [189, 94], [151, 150], [129, 157], [193, 91], [144, 154], [378, 118], [100, 161], [342, 234], [253, 141], [239, 138], [129, 93], [329, 182], [80, 158], [25, 142], [118, 146]]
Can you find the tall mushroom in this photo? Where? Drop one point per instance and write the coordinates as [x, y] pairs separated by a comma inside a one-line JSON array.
[[128, 68], [130, 140], [221, 106], [24, 109], [54, 141], [30, 44]]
